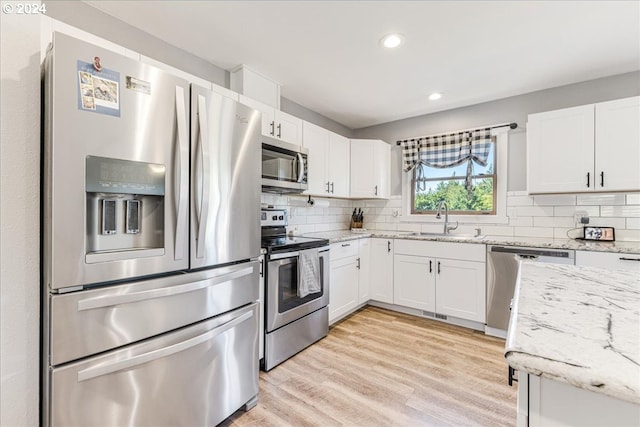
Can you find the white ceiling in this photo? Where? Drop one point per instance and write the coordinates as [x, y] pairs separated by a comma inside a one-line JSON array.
[[326, 56]]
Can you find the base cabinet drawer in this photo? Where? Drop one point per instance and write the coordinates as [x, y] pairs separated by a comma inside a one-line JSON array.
[[344, 250], [608, 260]]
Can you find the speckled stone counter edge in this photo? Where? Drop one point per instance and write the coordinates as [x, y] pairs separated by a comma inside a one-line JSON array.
[[615, 247]]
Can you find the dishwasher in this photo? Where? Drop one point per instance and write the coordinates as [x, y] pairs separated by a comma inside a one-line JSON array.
[[502, 271]]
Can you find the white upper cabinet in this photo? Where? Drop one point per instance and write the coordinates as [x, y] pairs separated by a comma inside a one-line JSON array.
[[560, 150], [593, 147], [370, 169], [316, 140], [287, 127], [328, 168], [339, 154], [618, 145], [275, 123]]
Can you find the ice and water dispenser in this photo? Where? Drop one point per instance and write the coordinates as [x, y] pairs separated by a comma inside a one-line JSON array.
[[125, 209]]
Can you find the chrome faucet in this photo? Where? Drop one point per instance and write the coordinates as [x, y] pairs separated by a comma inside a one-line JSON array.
[[447, 228]]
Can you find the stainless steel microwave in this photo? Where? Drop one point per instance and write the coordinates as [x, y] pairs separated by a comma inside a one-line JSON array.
[[284, 167]]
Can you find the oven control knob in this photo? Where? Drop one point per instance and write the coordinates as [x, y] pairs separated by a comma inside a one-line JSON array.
[[275, 217], [281, 217]]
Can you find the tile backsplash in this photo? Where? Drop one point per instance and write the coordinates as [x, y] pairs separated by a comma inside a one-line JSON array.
[[549, 216]]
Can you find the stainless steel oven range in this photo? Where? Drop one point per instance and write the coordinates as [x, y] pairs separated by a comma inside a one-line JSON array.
[[297, 290]]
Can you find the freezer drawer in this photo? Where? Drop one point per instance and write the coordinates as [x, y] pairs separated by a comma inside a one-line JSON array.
[[196, 376], [88, 322]]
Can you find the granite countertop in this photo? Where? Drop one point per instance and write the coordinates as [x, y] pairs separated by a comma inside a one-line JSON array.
[[618, 247], [578, 325]]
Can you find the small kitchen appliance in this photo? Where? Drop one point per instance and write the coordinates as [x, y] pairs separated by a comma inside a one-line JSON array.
[[284, 167]]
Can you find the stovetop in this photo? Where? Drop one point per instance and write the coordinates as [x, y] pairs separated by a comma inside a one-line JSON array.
[[286, 243]]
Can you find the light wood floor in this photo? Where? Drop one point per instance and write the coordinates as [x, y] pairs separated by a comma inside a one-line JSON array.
[[382, 368]]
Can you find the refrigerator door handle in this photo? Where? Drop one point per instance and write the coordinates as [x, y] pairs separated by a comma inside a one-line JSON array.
[[110, 368], [182, 186], [205, 178], [113, 300]]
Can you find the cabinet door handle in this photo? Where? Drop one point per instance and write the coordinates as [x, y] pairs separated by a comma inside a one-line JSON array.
[[328, 187], [588, 181], [601, 179], [358, 264], [376, 190], [261, 268], [272, 132], [623, 258], [430, 266], [279, 130], [388, 245], [332, 188], [438, 267], [512, 376]]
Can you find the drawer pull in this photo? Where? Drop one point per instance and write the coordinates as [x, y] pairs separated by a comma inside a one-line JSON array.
[[629, 259], [344, 245]]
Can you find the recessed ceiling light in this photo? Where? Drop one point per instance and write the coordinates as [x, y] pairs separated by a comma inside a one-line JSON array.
[[392, 40], [435, 96]]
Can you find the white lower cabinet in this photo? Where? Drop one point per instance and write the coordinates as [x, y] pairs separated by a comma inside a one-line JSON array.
[[547, 403], [414, 282], [381, 270], [460, 290], [608, 260], [344, 291], [364, 270], [441, 277]]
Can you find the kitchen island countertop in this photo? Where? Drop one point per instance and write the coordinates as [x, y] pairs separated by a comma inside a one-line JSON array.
[[580, 245], [578, 325]]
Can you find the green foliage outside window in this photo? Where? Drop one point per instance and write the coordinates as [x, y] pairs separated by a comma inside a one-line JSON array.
[[457, 197]]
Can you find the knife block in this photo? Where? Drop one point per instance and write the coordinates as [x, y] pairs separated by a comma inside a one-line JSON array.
[[355, 224]]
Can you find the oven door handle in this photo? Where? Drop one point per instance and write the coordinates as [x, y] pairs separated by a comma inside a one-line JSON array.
[[275, 257]]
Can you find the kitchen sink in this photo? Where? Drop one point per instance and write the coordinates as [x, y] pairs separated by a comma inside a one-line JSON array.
[[457, 236]]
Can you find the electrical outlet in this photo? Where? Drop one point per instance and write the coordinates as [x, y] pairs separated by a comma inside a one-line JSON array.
[[581, 218]]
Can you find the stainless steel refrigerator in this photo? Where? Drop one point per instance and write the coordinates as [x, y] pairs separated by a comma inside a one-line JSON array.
[[150, 241]]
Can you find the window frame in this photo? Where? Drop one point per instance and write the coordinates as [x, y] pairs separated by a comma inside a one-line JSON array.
[[500, 217]]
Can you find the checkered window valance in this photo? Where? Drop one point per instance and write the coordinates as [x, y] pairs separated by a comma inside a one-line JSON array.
[[445, 151]]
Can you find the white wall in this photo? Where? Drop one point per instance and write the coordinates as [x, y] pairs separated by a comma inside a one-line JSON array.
[[19, 218]]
